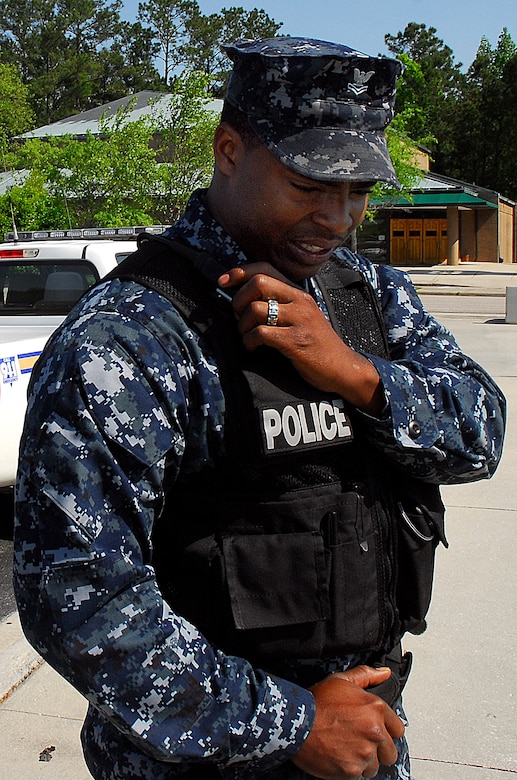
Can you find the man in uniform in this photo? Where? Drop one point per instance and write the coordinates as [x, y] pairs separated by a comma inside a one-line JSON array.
[[227, 505]]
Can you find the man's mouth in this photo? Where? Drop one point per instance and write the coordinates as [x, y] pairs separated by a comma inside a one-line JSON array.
[[306, 257], [315, 250]]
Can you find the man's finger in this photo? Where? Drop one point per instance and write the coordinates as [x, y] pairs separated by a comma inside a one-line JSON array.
[[241, 274], [364, 676]]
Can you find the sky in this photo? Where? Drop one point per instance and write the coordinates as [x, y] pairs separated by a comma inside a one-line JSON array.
[[362, 24]]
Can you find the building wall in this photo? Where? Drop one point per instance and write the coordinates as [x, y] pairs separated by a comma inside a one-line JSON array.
[[419, 237], [487, 236], [421, 159], [506, 228], [468, 242]]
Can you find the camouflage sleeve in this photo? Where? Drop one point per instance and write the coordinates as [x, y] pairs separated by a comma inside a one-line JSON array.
[[108, 406], [445, 415]]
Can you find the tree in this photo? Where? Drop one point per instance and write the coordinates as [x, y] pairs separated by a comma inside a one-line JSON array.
[[75, 54], [205, 34], [189, 40], [402, 153], [32, 205], [83, 29], [166, 20], [411, 118], [21, 22], [129, 65], [103, 180], [430, 88], [484, 149], [15, 113], [133, 172], [185, 148]]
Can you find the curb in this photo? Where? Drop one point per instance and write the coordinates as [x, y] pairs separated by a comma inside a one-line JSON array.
[[422, 289], [18, 660]]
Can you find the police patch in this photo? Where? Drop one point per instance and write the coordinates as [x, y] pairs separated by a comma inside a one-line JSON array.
[[304, 425]]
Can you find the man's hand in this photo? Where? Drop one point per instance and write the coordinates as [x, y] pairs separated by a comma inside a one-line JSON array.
[[303, 335], [353, 731]]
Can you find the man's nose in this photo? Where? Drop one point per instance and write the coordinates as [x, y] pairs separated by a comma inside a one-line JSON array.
[[335, 214]]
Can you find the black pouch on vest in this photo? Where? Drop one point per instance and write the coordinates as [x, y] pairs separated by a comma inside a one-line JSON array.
[[421, 527]]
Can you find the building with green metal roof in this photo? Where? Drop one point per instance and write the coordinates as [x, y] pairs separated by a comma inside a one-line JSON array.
[[443, 221]]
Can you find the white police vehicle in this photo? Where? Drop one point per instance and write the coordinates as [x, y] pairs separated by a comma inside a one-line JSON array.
[[42, 275]]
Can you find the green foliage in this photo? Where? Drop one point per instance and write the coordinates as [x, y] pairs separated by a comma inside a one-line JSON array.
[[128, 66], [15, 112], [484, 146], [32, 206], [430, 85], [465, 119], [77, 54], [411, 119], [72, 53], [167, 19], [190, 40], [134, 172], [403, 136], [98, 181], [59, 57], [402, 152], [185, 146], [205, 34]]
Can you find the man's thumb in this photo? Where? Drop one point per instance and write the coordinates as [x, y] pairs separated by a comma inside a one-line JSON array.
[[365, 676]]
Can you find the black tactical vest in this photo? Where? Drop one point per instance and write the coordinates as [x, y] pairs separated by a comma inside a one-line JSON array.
[[289, 545]]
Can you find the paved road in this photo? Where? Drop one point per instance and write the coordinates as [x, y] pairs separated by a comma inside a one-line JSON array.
[[463, 693], [488, 305]]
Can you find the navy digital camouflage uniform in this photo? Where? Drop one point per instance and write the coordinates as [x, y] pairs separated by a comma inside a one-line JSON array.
[[110, 405], [125, 391]]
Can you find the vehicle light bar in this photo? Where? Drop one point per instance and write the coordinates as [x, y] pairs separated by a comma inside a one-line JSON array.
[[53, 235]]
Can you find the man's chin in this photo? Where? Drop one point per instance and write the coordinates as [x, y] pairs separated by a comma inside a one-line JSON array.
[[303, 263], [297, 271]]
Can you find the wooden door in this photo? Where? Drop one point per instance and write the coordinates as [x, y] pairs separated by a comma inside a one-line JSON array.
[[442, 249], [432, 240], [398, 241], [414, 241]]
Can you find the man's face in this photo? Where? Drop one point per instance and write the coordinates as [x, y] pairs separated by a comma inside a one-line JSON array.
[[289, 220]]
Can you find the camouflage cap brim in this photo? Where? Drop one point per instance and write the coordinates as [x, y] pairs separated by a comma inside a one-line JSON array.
[[330, 154]]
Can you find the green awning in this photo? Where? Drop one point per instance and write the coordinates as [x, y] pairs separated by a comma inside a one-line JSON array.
[[436, 199]]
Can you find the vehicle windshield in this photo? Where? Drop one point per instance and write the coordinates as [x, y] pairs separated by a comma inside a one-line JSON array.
[[44, 287]]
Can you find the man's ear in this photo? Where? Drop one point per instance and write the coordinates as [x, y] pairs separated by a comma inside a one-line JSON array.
[[227, 147]]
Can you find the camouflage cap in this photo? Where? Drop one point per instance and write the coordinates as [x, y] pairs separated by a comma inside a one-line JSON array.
[[320, 107]]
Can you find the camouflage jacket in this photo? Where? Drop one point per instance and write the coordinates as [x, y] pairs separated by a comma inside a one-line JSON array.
[[110, 405]]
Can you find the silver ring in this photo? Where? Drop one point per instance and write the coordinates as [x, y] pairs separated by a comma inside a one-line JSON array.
[[272, 312]]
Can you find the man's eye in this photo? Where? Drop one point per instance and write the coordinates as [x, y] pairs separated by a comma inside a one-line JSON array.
[[303, 187]]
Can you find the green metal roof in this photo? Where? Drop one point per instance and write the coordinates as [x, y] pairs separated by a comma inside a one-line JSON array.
[[435, 199]]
